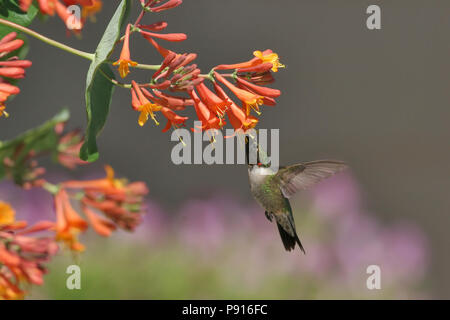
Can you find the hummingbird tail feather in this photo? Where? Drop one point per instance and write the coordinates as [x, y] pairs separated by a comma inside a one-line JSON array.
[[289, 241]]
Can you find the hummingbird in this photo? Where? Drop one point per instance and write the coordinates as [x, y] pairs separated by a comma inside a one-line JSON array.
[[272, 191]]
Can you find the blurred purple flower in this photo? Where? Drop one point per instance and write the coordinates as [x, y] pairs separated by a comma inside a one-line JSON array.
[[359, 241], [155, 224], [337, 196], [201, 224]]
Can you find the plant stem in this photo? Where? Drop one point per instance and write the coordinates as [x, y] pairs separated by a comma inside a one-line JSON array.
[[115, 82], [148, 66], [83, 54], [139, 18]]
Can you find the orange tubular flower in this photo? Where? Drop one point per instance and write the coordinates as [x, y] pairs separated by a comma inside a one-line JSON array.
[[171, 102], [208, 119], [263, 91], [124, 60], [173, 37], [68, 223], [22, 256], [12, 67], [173, 120], [248, 64], [105, 185], [249, 99], [238, 119], [170, 4], [140, 103], [212, 101], [259, 68], [167, 60], [47, 7], [162, 51], [166, 103], [157, 26], [261, 57], [102, 226]]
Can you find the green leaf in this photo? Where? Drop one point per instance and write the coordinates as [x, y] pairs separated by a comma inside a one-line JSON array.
[[98, 100], [99, 89], [10, 10], [40, 139]]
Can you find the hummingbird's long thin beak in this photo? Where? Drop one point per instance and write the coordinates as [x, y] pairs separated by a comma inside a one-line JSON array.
[[247, 150]]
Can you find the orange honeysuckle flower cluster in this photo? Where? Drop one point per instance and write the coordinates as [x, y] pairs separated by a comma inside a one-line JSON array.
[[178, 73], [50, 7], [22, 256], [107, 203], [11, 67]]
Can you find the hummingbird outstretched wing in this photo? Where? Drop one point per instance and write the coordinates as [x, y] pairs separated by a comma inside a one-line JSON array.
[[304, 175]]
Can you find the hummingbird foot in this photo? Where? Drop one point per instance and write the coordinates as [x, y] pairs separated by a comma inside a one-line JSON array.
[[269, 216]]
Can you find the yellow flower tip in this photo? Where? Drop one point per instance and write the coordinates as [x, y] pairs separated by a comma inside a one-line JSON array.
[[273, 58], [124, 66], [3, 112], [258, 54], [253, 104], [7, 213], [277, 65], [124, 70], [143, 117], [148, 110]]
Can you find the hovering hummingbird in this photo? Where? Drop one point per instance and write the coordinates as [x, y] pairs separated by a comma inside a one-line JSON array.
[[272, 191]]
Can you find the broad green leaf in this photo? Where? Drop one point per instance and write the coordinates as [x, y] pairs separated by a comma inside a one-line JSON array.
[[10, 10], [99, 89], [98, 100], [40, 139]]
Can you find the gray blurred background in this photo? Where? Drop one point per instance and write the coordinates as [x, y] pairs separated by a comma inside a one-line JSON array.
[[376, 99]]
